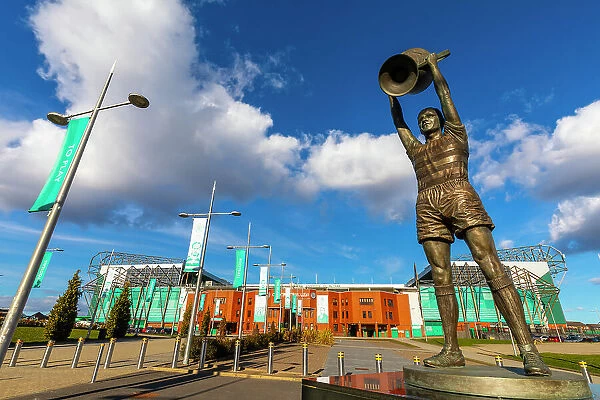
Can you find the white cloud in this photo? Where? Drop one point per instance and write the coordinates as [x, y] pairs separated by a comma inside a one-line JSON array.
[[576, 224], [506, 244], [595, 281]]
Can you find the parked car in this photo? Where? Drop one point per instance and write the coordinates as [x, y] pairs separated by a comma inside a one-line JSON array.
[[553, 339], [573, 339]]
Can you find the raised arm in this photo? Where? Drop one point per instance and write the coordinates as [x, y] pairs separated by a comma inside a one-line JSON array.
[[443, 91], [408, 139]]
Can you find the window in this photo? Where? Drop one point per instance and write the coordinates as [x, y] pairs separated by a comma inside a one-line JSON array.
[[370, 314], [221, 299], [366, 300], [390, 303], [239, 300], [249, 313], [249, 301], [391, 315], [335, 327], [364, 314], [346, 314], [237, 313], [334, 302], [335, 314]]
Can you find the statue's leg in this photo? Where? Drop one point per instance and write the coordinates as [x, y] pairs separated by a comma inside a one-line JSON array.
[[507, 299], [438, 255]]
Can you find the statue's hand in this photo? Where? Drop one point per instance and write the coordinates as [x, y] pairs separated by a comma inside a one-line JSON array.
[[396, 111], [432, 60]]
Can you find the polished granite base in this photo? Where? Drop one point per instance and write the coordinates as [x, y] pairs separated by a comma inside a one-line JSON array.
[[472, 383]]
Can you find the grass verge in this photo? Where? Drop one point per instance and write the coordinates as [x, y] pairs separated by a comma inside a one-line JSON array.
[[464, 342], [568, 362], [33, 335]]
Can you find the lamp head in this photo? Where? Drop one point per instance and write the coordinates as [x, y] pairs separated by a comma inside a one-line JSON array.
[[57, 118], [184, 215], [138, 100], [236, 213], [229, 247], [265, 246]]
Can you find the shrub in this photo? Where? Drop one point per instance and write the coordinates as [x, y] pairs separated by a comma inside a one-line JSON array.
[[184, 325]]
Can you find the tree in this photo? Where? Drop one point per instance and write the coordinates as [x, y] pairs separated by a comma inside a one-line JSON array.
[[117, 322], [205, 323], [63, 314], [222, 330], [184, 325]]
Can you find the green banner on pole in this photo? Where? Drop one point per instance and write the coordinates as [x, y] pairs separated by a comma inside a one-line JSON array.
[[42, 270], [192, 262], [47, 196], [202, 300], [277, 291], [264, 281], [294, 303], [240, 260], [151, 286]]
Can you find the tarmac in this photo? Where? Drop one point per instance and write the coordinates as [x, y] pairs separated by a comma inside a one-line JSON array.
[[27, 378]]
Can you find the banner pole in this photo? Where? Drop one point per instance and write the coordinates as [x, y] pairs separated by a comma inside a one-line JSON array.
[[188, 344], [18, 304]]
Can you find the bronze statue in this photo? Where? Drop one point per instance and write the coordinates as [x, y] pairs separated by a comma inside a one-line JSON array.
[[448, 206]]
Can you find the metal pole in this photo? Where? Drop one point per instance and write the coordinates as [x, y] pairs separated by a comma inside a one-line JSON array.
[[192, 326], [140, 364], [109, 352], [341, 371], [95, 373], [47, 353], [15, 355], [18, 304], [77, 352], [378, 363], [270, 359], [304, 359], [499, 361], [244, 284], [236, 357], [268, 282], [585, 372], [176, 352], [203, 353], [291, 305], [280, 301], [176, 316]]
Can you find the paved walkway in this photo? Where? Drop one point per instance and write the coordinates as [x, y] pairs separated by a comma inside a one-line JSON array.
[[27, 378]]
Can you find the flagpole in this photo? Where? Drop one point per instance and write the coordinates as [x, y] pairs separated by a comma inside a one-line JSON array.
[[18, 304]]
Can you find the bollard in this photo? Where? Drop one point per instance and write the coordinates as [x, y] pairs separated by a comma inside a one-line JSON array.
[[236, 357], [416, 360], [142, 353], [77, 352], [203, 353], [270, 359], [499, 361], [95, 373], [176, 352], [585, 372], [15, 355], [304, 359], [378, 363], [341, 371], [47, 353], [109, 352]]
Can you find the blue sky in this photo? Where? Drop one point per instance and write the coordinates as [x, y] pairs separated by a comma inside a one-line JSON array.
[[279, 103]]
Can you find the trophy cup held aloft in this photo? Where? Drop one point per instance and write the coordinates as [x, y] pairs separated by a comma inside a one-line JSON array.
[[404, 73]]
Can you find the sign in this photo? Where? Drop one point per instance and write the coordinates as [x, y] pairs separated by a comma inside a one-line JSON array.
[[277, 291], [260, 303], [150, 291], [299, 306], [42, 270], [287, 298], [240, 261], [202, 300], [322, 309], [264, 279], [47, 196], [192, 263], [217, 306], [294, 303]]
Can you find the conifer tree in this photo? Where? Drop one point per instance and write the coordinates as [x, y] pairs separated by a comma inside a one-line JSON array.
[[63, 314], [222, 330], [184, 325], [117, 322], [205, 323]]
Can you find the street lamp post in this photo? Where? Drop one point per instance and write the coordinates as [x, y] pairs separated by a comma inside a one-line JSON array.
[[247, 247], [291, 298], [192, 324], [20, 299], [269, 265]]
